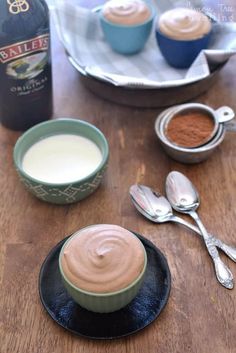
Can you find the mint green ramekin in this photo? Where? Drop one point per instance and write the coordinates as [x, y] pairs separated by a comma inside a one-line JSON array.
[[103, 302], [64, 193]]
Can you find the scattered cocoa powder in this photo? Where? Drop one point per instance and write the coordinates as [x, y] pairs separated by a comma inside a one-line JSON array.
[[190, 129]]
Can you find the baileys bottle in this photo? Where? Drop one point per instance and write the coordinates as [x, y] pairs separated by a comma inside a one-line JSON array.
[[25, 63]]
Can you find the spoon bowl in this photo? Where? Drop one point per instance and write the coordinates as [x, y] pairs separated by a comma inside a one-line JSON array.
[[181, 193], [150, 203]]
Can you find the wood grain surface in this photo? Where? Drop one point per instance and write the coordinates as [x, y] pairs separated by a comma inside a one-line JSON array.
[[200, 316]]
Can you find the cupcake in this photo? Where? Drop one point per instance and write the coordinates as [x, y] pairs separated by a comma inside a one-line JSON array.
[[126, 24], [181, 34], [102, 267]]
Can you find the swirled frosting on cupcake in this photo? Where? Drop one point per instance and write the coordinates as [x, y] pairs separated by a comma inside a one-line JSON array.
[[126, 12], [184, 24], [103, 258]]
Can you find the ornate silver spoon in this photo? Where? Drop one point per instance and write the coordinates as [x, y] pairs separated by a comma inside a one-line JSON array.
[[157, 208], [184, 198]]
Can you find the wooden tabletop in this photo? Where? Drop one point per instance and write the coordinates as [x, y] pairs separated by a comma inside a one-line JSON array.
[[200, 315]]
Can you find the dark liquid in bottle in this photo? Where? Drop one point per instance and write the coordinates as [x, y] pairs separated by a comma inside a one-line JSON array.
[[25, 63]]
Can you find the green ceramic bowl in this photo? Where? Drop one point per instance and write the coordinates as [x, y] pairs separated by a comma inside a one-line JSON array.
[[103, 302], [64, 193]]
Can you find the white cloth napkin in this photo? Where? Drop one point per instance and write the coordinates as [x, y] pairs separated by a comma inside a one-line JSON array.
[[80, 32]]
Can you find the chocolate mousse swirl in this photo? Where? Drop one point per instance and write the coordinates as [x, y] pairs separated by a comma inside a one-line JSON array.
[[126, 12], [184, 24], [103, 258]]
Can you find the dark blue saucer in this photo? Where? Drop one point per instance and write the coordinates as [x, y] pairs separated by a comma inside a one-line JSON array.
[[146, 307]]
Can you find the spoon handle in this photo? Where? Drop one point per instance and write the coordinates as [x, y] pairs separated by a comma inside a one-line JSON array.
[[223, 273], [230, 251]]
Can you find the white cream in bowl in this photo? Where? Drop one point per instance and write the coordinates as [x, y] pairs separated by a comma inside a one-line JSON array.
[[61, 159]]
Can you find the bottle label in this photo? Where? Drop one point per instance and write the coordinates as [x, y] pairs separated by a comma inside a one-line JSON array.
[[26, 65], [17, 6], [21, 49]]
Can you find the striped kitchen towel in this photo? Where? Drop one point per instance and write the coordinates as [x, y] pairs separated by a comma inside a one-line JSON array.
[[79, 30]]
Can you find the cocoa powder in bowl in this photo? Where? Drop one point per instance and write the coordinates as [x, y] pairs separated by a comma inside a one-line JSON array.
[[191, 128]]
